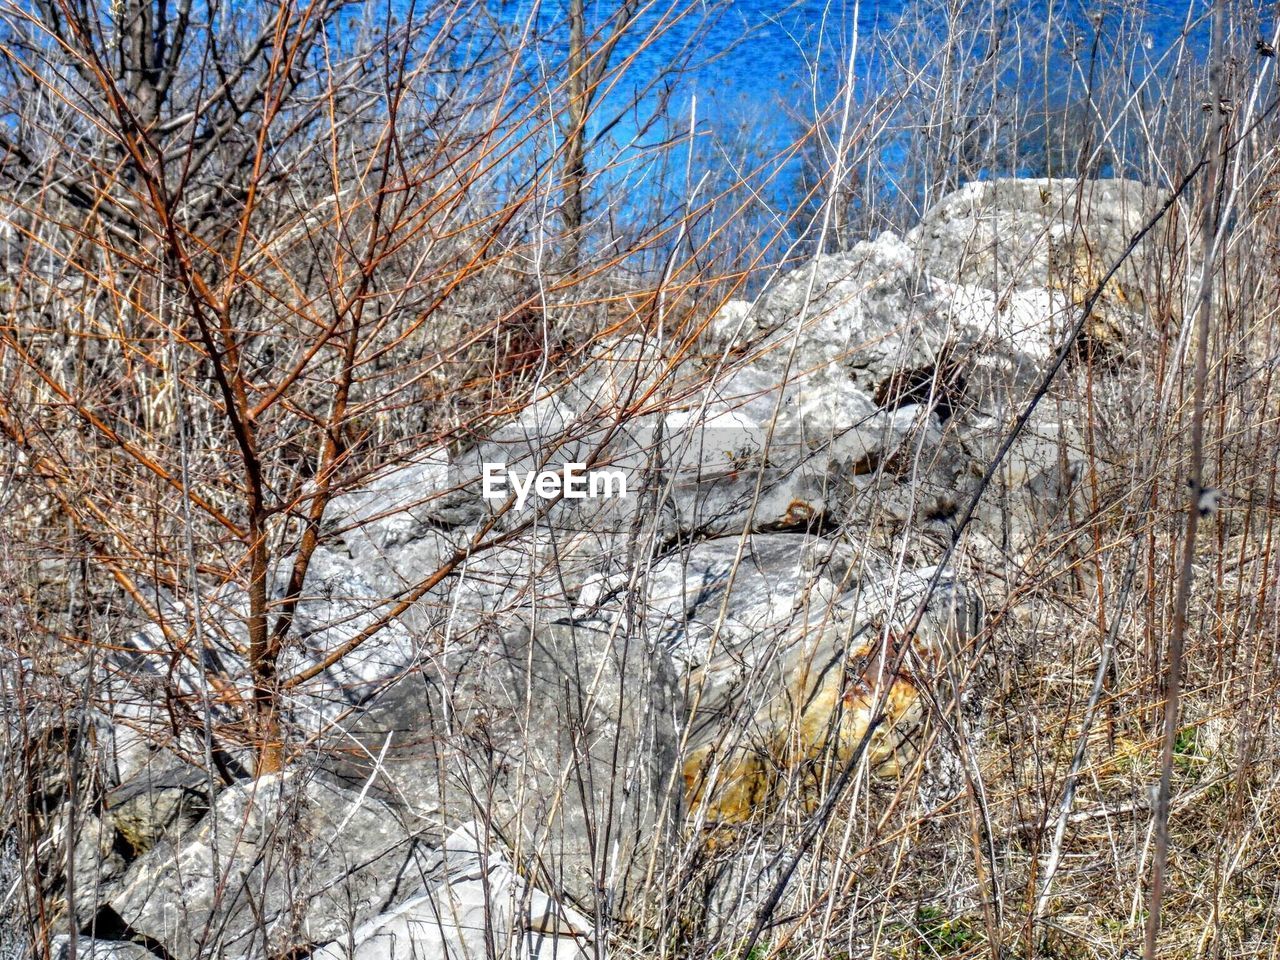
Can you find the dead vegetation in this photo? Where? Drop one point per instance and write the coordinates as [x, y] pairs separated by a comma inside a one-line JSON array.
[[245, 269]]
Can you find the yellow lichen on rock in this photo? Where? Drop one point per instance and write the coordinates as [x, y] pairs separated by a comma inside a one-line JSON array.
[[813, 720], [1075, 271]]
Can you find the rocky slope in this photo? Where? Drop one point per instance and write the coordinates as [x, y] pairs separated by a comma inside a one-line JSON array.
[[508, 765]]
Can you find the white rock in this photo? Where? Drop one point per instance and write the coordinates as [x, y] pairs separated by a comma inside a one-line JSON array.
[[1003, 234], [782, 582], [392, 509], [480, 908], [88, 948], [279, 863]]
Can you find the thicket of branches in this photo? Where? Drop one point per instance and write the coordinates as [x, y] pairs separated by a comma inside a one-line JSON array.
[[253, 253]]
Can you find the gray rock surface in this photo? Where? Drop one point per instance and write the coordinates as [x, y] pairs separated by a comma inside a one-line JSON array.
[[703, 596], [280, 863], [159, 802], [763, 448], [476, 906], [928, 357], [838, 423], [88, 948], [96, 862], [798, 691], [890, 327], [1013, 233], [398, 507], [559, 736]]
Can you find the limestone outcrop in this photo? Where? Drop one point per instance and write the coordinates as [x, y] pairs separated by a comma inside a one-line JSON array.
[[503, 765]]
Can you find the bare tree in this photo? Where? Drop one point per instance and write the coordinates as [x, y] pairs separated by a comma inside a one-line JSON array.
[[270, 232]]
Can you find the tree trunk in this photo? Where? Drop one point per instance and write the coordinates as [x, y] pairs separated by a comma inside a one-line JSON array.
[[575, 147]]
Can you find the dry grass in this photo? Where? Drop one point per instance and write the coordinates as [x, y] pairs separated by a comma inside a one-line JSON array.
[[127, 473]]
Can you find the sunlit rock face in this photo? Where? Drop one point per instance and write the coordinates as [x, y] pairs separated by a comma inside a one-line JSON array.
[[944, 333], [815, 717], [232, 879], [547, 731], [475, 902], [1063, 236], [798, 693], [1012, 234], [661, 666], [949, 329]]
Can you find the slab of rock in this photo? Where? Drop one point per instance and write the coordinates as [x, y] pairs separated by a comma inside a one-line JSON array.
[[773, 581], [926, 354], [87, 948], [1060, 237], [340, 598], [809, 699], [1015, 232], [279, 863], [800, 695], [561, 736], [870, 312], [751, 450], [785, 640], [158, 802], [400, 506], [476, 907], [96, 862], [947, 330], [689, 459]]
